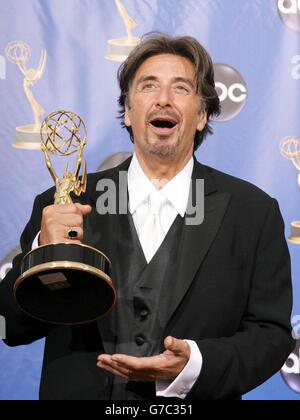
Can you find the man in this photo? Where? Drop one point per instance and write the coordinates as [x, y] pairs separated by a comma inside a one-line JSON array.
[[203, 309]]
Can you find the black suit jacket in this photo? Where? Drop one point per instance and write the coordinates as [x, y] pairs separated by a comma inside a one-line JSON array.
[[232, 295]]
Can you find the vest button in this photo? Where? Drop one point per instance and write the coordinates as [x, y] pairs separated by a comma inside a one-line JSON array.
[[140, 339], [144, 313]]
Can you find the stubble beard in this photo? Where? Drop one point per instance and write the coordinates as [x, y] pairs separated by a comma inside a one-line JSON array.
[[160, 148]]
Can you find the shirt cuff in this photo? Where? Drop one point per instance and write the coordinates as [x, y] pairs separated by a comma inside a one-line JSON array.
[[183, 383], [35, 243]]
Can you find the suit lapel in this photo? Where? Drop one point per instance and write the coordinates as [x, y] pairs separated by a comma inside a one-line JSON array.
[[196, 240], [102, 232], [99, 234]]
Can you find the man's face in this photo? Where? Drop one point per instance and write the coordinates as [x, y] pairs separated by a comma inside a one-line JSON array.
[[164, 109]]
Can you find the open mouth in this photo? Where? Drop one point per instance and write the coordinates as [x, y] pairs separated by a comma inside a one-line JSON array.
[[163, 125], [159, 123]]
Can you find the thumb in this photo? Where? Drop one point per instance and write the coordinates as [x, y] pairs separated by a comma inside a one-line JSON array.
[[174, 345], [84, 209]]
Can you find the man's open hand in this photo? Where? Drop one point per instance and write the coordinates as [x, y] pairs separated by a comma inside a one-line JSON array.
[[166, 366]]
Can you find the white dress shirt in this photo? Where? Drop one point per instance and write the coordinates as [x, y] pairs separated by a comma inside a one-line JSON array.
[[176, 193]]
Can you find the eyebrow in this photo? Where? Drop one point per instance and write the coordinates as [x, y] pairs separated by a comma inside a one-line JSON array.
[[174, 80]]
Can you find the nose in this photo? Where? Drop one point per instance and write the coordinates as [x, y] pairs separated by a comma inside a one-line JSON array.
[[164, 96]]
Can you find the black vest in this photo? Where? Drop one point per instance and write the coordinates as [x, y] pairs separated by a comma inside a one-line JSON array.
[[143, 291]]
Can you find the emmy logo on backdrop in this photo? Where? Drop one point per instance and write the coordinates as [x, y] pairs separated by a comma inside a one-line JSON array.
[[120, 48], [18, 52], [290, 149]]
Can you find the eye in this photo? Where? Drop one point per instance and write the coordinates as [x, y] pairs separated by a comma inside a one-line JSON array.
[[148, 87], [181, 89]]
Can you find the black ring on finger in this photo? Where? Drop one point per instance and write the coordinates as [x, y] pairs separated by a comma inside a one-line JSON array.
[[72, 233]]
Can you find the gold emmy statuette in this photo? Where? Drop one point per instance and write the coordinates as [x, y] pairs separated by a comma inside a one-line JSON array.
[[290, 149], [120, 48], [18, 52], [65, 283]]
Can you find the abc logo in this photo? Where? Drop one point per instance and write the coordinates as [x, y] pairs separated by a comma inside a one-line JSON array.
[[291, 370], [232, 91], [289, 6], [289, 11]]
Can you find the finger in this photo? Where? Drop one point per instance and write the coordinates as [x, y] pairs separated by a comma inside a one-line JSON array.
[[84, 208], [118, 367], [61, 233], [131, 371], [62, 209], [175, 345], [79, 236], [73, 220], [128, 362], [109, 369], [168, 342], [113, 371], [73, 241], [105, 358], [138, 363], [149, 368]]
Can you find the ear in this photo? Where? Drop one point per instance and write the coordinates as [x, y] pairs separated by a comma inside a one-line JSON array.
[[202, 120], [127, 120]]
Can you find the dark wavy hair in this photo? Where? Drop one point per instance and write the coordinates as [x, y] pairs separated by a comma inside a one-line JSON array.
[[155, 44]]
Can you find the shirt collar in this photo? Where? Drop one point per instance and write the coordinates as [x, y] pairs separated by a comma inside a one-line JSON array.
[[176, 191]]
